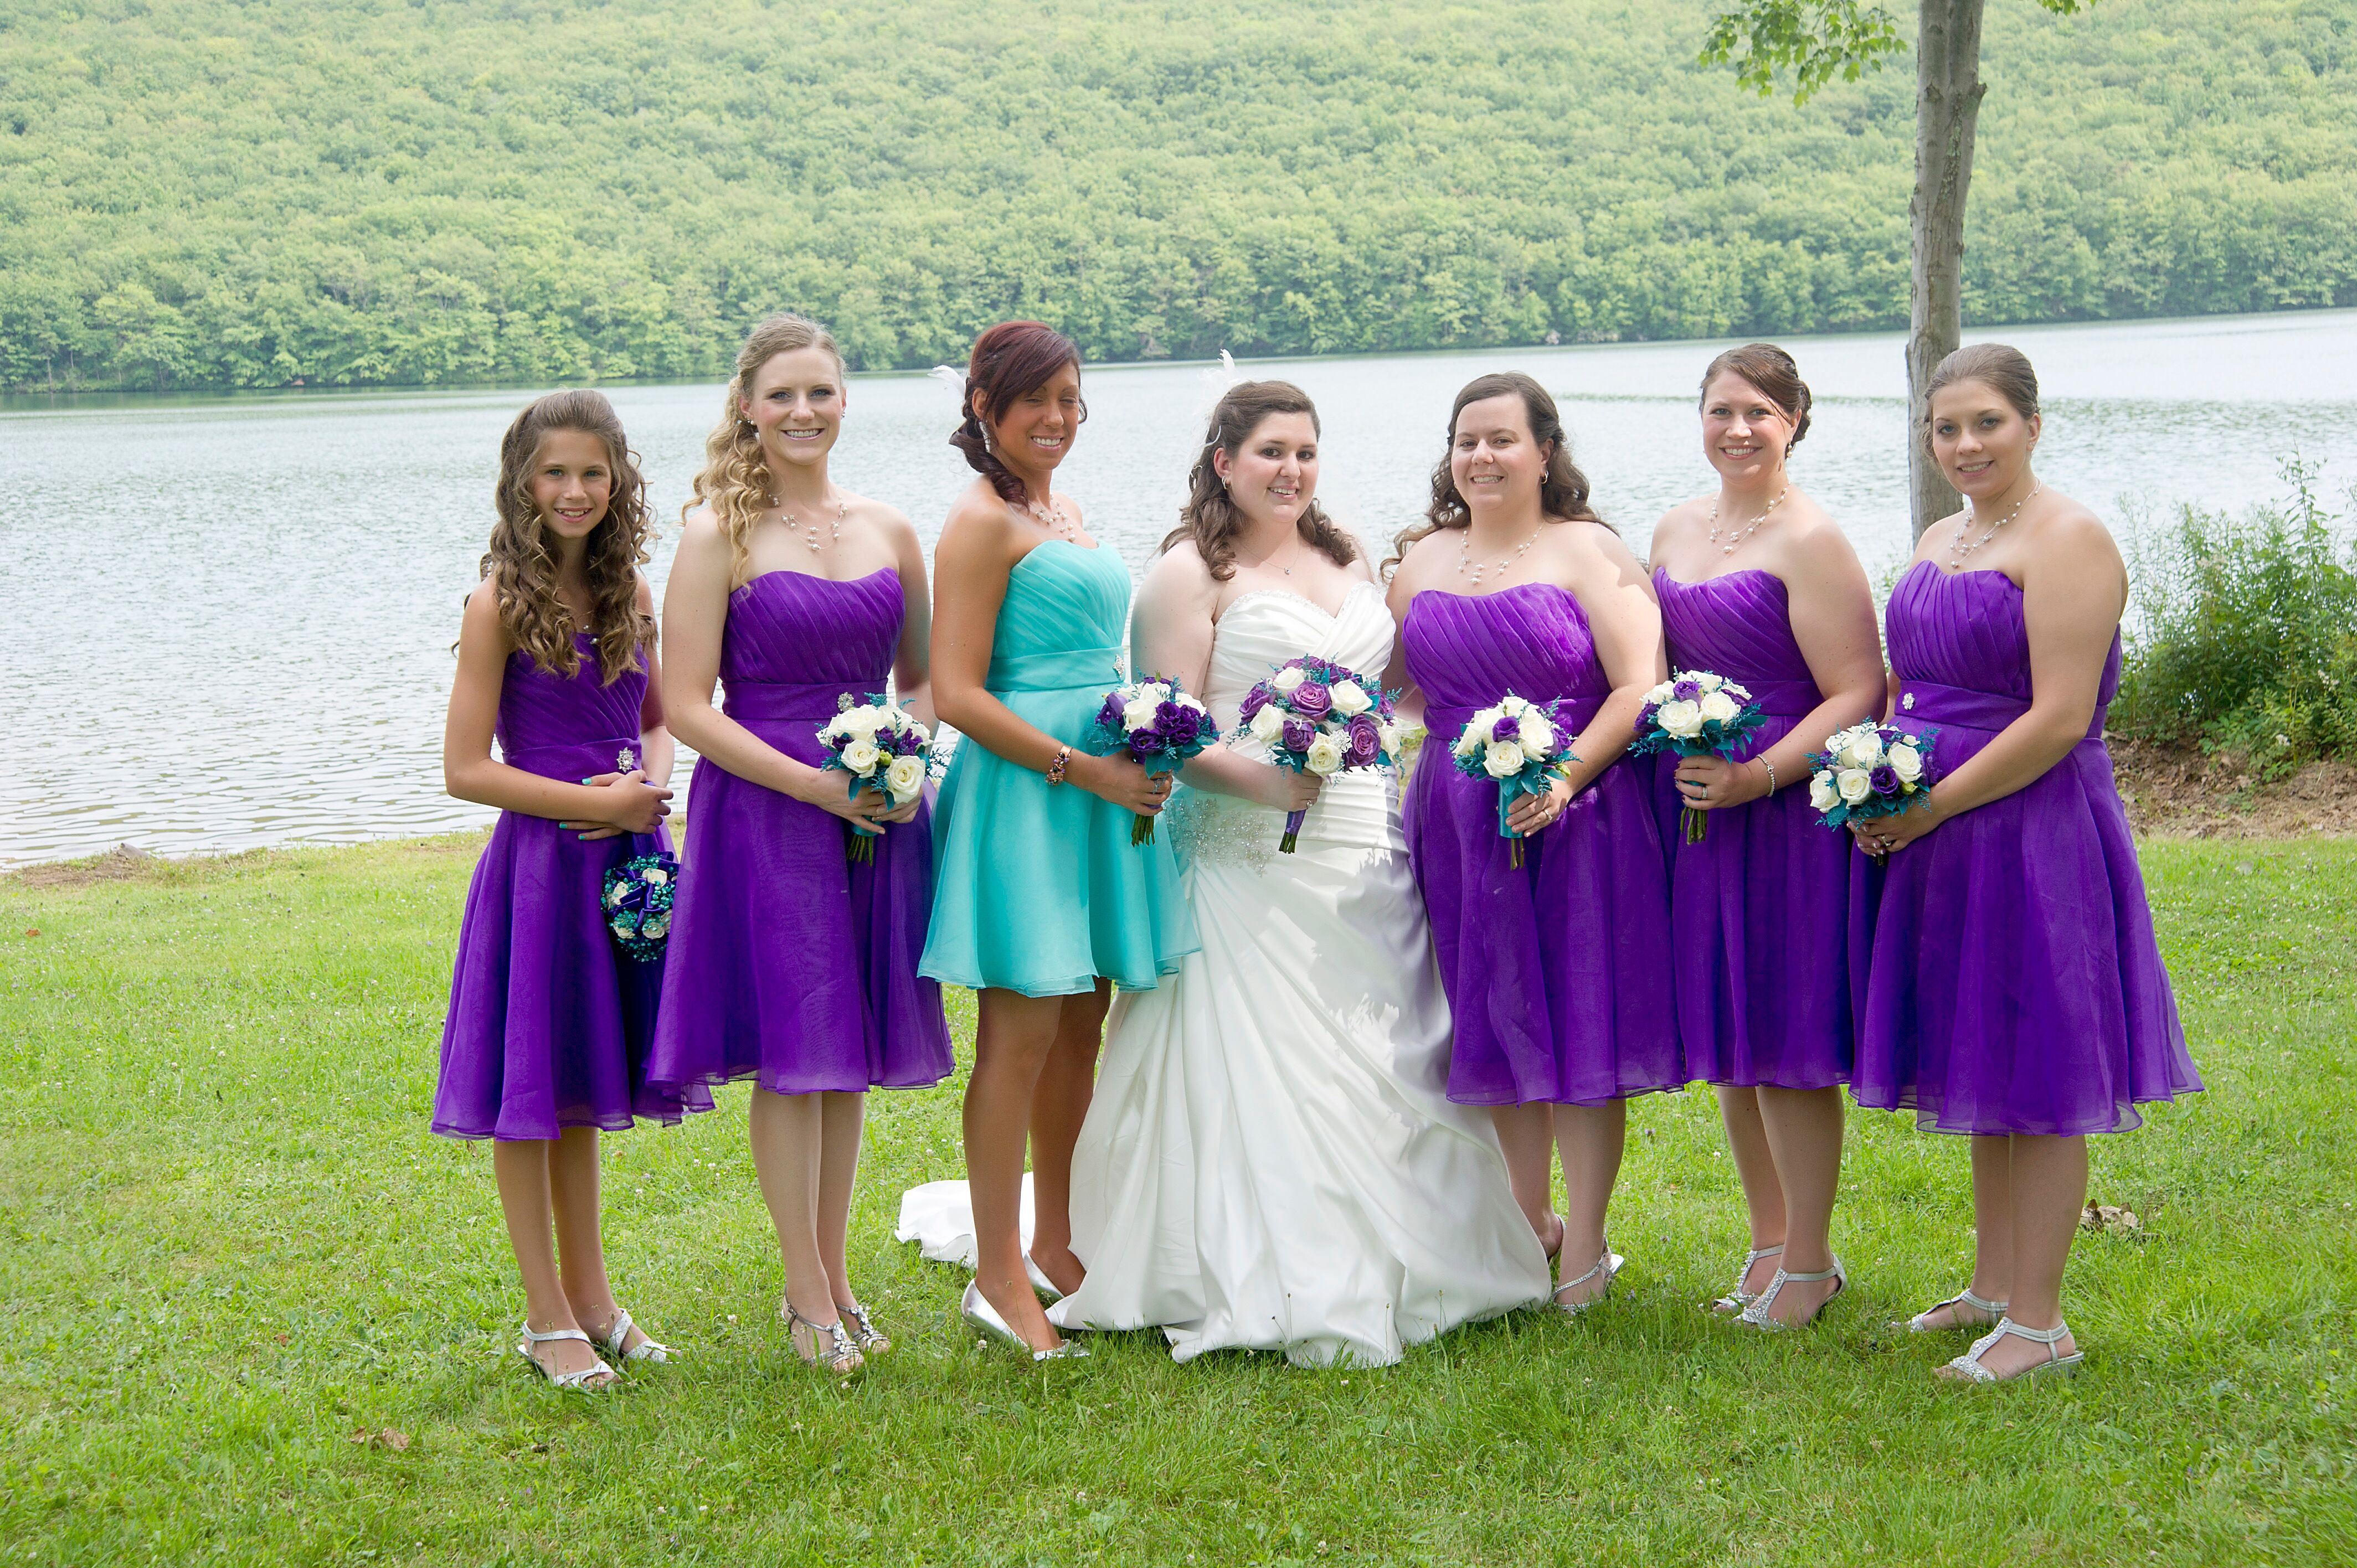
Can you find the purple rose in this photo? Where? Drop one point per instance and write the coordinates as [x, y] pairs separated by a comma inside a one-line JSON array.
[[1298, 734], [1254, 701], [1884, 779], [1312, 701], [1366, 742]]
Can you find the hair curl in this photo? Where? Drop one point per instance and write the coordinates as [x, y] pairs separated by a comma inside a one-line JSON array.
[[1010, 360], [2004, 369], [1562, 492], [522, 567], [734, 479], [1772, 371], [1211, 517]]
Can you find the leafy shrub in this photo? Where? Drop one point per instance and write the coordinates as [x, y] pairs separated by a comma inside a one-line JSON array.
[[2248, 637]]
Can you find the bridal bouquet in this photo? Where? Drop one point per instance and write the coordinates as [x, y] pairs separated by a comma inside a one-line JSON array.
[[637, 905], [880, 744], [1322, 718], [1521, 745], [1695, 714], [1158, 725], [1870, 770]]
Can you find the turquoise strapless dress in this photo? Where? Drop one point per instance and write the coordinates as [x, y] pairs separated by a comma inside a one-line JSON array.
[[1037, 888]]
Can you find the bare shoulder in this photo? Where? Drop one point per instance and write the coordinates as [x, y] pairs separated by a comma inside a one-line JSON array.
[[2073, 535], [978, 531], [644, 597], [1362, 565], [1178, 579], [481, 618], [887, 519], [1812, 535], [1601, 546], [1682, 521], [701, 528]]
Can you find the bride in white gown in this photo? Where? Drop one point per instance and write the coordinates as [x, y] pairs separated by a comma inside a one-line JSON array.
[[1270, 1162]]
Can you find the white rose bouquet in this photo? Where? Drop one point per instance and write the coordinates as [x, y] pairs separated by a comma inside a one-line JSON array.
[[881, 744], [1695, 713], [1158, 725], [1322, 718], [1870, 770], [1522, 746]]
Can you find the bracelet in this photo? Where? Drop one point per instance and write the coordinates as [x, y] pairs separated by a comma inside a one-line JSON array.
[[1055, 767], [1771, 777]]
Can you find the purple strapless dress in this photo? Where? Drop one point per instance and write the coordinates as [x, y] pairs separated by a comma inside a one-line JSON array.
[[1557, 971], [549, 1025], [791, 964], [1760, 908], [2012, 983]]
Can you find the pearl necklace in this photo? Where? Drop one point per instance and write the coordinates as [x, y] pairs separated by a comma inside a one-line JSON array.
[[795, 527], [1051, 517], [1735, 537], [1959, 552], [1504, 565]]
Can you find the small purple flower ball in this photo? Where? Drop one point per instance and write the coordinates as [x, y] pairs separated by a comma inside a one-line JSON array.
[[1884, 779]]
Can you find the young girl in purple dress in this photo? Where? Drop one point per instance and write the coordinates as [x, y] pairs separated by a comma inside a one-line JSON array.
[[546, 1037], [2014, 992], [1757, 584], [796, 967], [1557, 969]]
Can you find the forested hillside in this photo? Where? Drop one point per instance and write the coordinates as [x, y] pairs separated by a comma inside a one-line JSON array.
[[215, 192]]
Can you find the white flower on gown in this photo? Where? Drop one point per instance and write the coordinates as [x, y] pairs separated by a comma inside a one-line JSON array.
[[1270, 1162]]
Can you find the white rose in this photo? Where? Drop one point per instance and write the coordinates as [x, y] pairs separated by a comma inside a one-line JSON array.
[[835, 729], [1288, 679], [1718, 706], [1864, 751], [1537, 734], [1822, 796], [1708, 682], [1513, 704], [1139, 714], [861, 756], [904, 777], [860, 721], [1269, 724], [1680, 719], [1325, 753], [1156, 691], [1188, 703], [1740, 693], [1660, 694], [1390, 733], [1854, 785], [1503, 759], [1907, 762], [1350, 699]]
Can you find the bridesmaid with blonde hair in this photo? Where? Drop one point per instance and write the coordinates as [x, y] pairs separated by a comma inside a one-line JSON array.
[[794, 965]]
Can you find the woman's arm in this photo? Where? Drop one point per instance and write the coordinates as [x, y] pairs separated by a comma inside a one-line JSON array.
[[1170, 633], [1618, 599], [912, 662], [656, 753], [979, 548], [695, 615], [470, 773], [2074, 587]]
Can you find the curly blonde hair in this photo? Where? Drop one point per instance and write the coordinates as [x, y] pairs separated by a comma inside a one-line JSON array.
[[522, 569], [735, 481]]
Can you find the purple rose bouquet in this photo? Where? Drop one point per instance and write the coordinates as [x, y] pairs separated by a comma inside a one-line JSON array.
[[1158, 725], [881, 744], [1870, 770], [1695, 713], [1518, 745], [1319, 717]]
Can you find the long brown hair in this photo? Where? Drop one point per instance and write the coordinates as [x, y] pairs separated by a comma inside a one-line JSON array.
[[1773, 372], [2005, 368], [1562, 492], [1009, 360], [522, 569], [734, 479], [1211, 517]]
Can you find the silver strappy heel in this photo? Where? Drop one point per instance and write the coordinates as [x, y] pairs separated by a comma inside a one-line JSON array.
[[1738, 1298], [872, 1341], [828, 1344], [1991, 1311], [1608, 1265], [1967, 1366], [586, 1379], [647, 1348], [1755, 1316]]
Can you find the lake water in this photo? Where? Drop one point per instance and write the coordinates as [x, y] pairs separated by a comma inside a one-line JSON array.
[[233, 615]]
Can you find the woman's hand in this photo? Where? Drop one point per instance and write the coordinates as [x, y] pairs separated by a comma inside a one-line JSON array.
[[1284, 789], [1888, 835], [867, 807], [1534, 813], [632, 806], [1124, 782], [1713, 783]]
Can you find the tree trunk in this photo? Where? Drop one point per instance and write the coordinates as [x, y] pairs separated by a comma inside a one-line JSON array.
[[1947, 107]]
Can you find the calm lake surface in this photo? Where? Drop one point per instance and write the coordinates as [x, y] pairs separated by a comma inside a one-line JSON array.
[[233, 615]]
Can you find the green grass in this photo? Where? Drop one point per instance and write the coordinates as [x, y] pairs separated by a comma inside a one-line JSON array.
[[228, 1244]]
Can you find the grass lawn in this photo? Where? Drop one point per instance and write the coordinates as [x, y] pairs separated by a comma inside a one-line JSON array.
[[230, 1250]]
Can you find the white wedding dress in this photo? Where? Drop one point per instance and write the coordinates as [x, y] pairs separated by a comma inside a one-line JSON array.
[[1270, 1162]]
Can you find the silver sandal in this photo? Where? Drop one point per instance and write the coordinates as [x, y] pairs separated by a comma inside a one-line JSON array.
[[1993, 1311], [1967, 1366], [647, 1348], [872, 1339], [1738, 1298], [1756, 1315], [586, 1379], [1608, 1265]]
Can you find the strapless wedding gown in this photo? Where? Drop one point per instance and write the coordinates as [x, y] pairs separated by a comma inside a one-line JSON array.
[[1271, 1160]]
